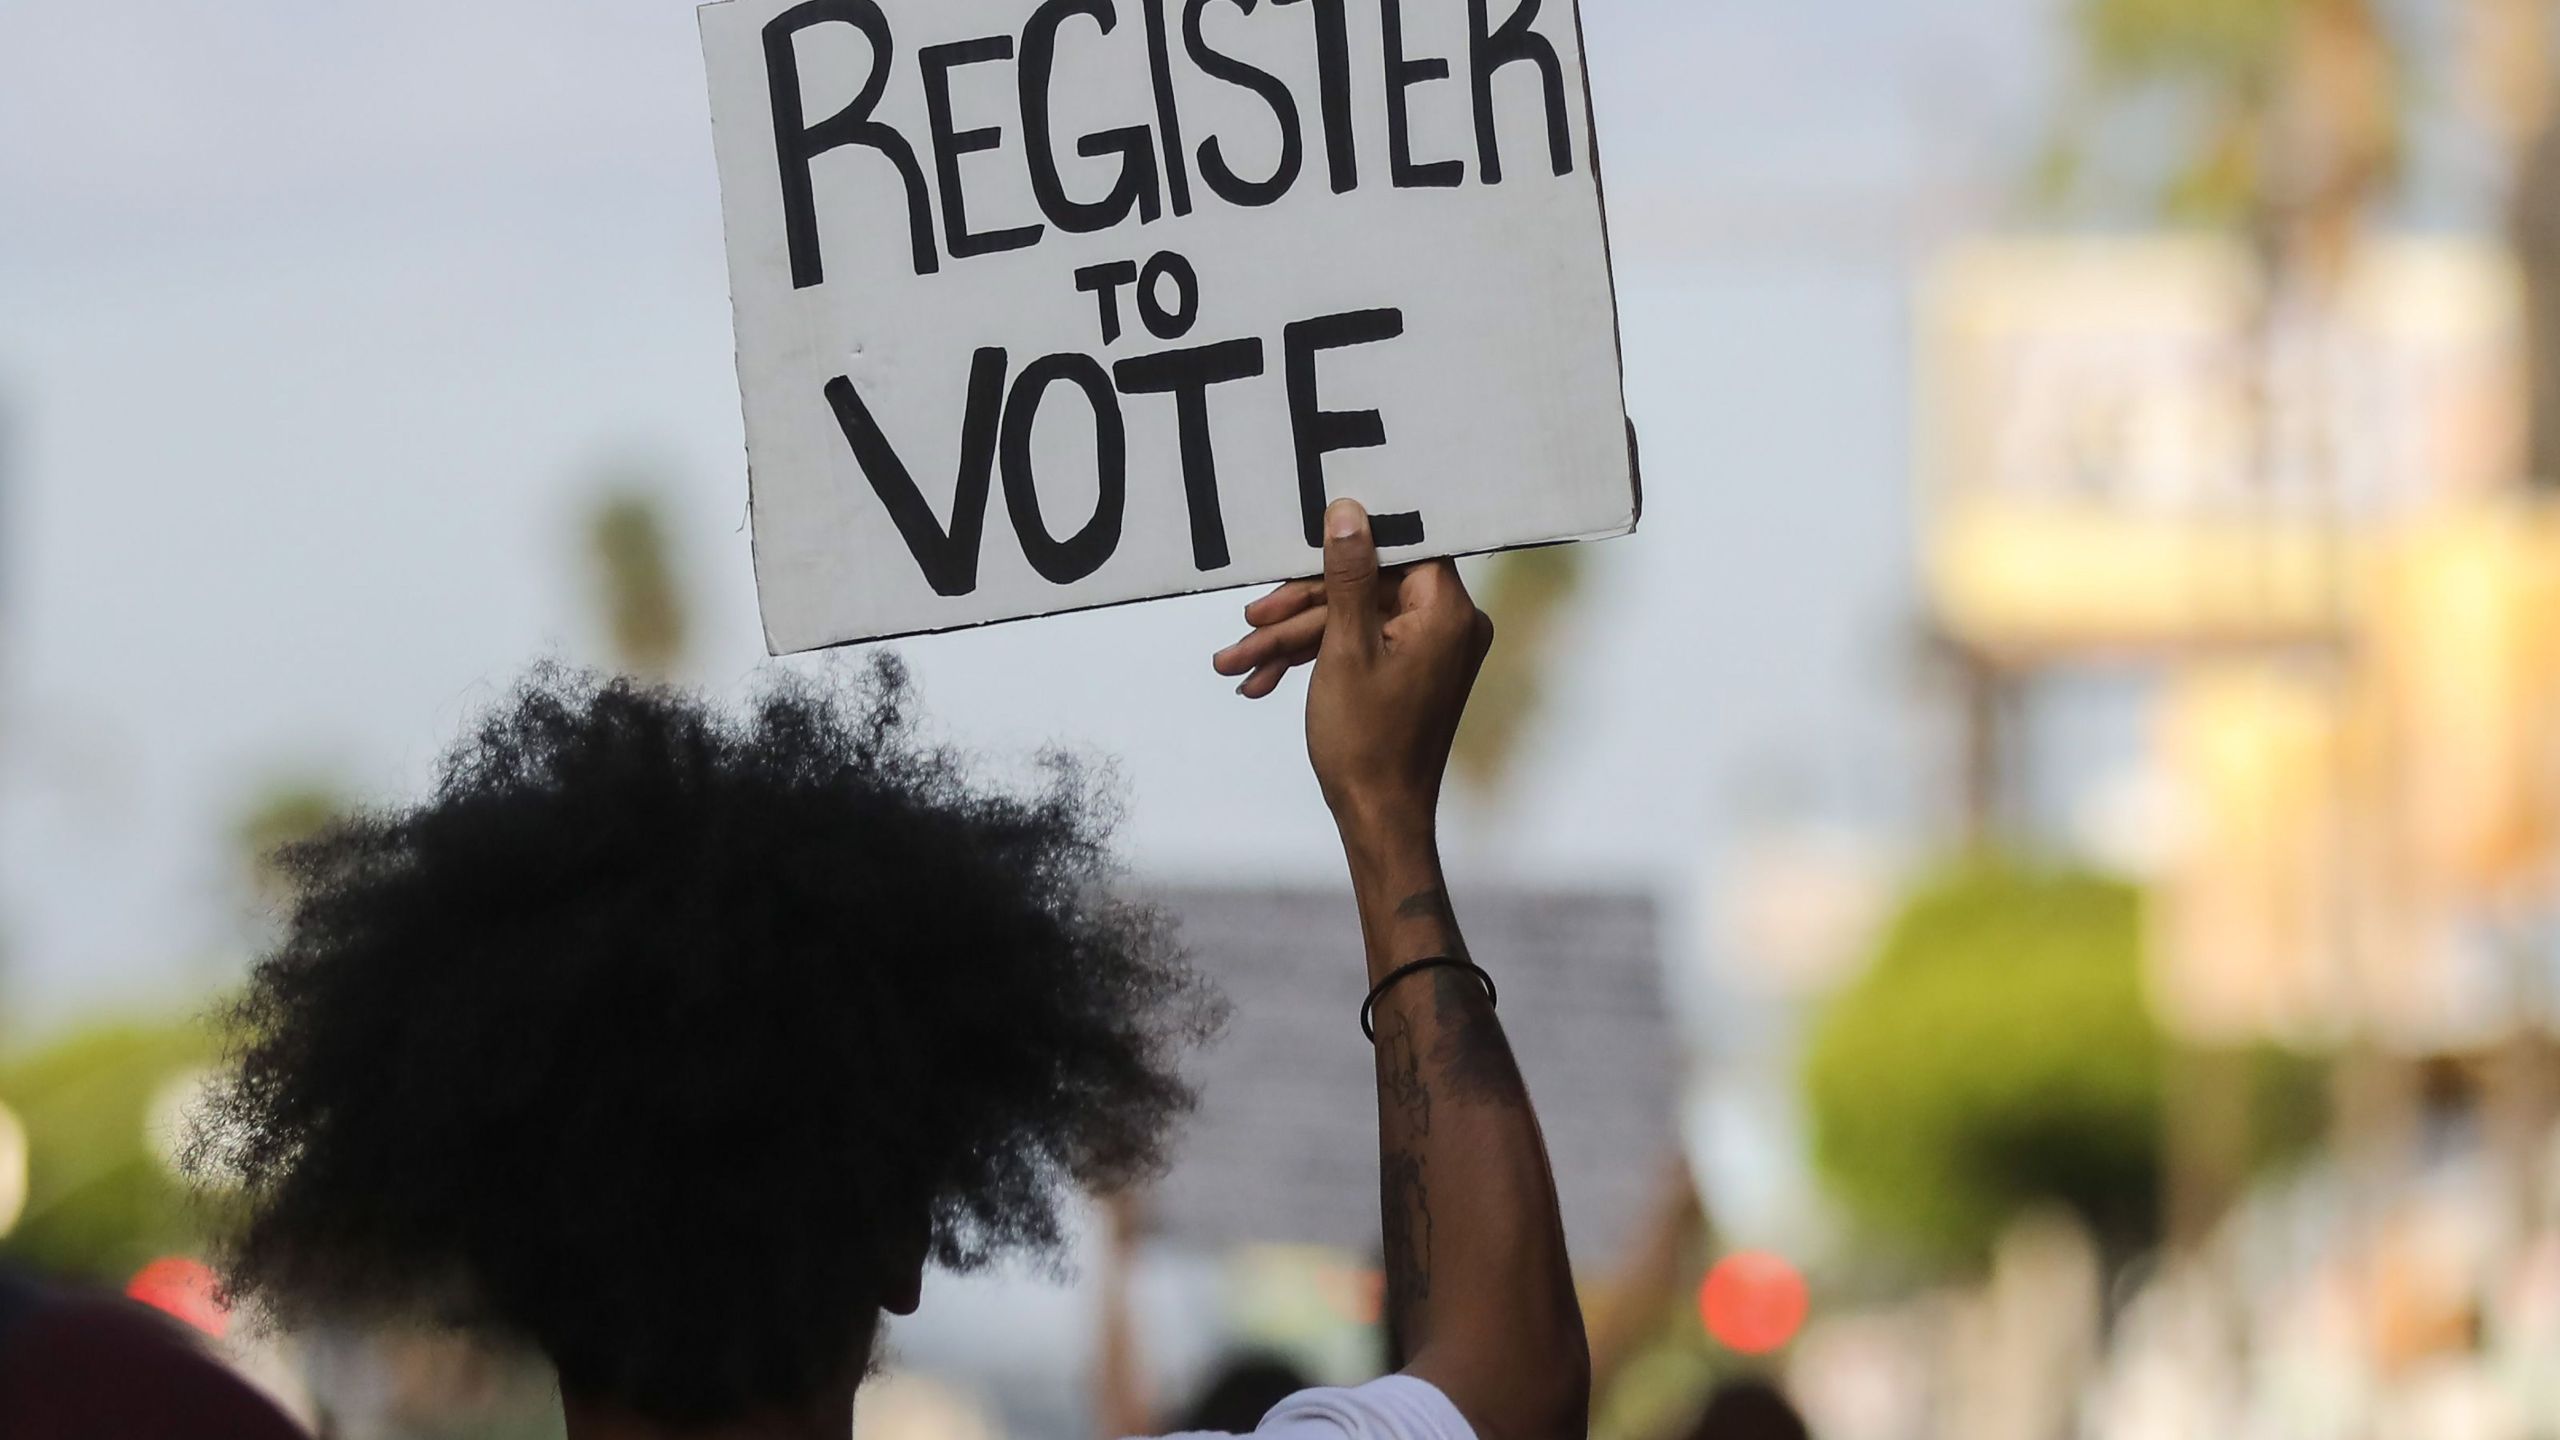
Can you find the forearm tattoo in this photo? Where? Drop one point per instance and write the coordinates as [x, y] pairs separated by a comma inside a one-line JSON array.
[[1472, 1056], [1433, 905], [1466, 1059], [1404, 1200]]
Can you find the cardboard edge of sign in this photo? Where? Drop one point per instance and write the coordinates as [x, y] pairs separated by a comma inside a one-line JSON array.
[[777, 647]]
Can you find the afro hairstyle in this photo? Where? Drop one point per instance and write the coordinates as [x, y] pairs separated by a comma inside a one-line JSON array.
[[639, 1037]]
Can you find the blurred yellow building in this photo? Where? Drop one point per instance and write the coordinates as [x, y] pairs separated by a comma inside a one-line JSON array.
[[2125, 445], [2310, 516]]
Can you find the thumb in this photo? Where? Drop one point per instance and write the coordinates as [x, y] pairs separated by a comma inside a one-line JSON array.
[[1350, 576]]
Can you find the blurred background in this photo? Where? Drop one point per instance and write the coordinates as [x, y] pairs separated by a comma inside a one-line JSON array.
[[2031, 883]]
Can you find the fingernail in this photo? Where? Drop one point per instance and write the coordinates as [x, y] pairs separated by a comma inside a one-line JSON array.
[[1241, 684], [1343, 521]]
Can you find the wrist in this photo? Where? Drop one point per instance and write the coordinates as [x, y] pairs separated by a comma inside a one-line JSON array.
[[1387, 830], [1403, 898], [1387, 869]]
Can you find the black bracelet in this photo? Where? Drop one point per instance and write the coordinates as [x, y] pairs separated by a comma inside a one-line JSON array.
[[1397, 976]]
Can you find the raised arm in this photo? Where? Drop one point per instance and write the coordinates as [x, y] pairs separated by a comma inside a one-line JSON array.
[[1120, 1381], [1479, 1293]]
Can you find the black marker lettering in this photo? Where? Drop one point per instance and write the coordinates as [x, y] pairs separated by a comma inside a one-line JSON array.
[[1186, 375], [1064, 562], [1177, 176], [1175, 323], [1319, 432], [1333, 78], [938, 61], [1275, 93], [1488, 51], [1108, 281], [949, 558], [1403, 75], [797, 143], [1136, 188]]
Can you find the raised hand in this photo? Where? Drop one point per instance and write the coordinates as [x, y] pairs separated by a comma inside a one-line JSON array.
[[1396, 654]]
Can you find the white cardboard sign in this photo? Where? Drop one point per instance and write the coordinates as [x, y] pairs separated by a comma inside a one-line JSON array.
[[1052, 304]]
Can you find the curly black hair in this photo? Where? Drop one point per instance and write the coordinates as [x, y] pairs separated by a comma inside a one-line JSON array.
[[649, 1033]]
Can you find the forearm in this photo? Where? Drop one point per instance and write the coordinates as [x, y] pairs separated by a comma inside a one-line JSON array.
[[1120, 1392], [1479, 1291]]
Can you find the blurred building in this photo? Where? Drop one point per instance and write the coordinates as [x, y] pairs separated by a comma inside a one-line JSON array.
[[2305, 524], [2128, 449], [1284, 1146], [2300, 520]]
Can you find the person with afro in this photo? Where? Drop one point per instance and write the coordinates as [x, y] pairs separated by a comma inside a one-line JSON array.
[[676, 1045]]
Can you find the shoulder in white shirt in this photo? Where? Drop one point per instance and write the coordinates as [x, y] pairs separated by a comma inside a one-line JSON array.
[[1398, 1407]]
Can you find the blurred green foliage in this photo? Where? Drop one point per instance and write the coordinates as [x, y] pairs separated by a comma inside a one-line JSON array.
[[1659, 1391], [2001, 1055], [102, 1201], [2219, 74], [2236, 41], [1528, 593]]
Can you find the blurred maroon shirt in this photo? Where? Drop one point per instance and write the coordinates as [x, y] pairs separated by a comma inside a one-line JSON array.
[[86, 1367]]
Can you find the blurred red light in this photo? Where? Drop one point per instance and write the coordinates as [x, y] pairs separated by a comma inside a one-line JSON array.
[[176, 1285], [1754, 1302]]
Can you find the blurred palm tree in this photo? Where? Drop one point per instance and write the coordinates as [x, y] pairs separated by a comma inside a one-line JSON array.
[[2512, 68], [2287, 112], [289, 813], [637, 584], [2287, 118], [1528, 593]]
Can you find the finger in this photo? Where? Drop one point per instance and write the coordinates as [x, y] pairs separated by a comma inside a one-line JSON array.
[[1434, 606], [1299, 632], [1288, 600], [1430, 585], [1351, 577], [1265, 680]]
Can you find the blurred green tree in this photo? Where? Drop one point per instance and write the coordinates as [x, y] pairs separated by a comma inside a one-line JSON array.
[[101, 1110], [1998, 1055], [2001, 1055], [103, 1107]]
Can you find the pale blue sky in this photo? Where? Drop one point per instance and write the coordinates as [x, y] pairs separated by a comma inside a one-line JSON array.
[[317, 321]]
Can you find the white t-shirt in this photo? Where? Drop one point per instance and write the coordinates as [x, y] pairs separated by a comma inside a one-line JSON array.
[[1398, 1407]]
